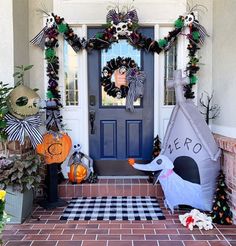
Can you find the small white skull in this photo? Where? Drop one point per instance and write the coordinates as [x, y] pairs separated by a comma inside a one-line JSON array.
[[122, 70], [189, 19], [50, 21], [118, 95], [121, 29], [105, 73]]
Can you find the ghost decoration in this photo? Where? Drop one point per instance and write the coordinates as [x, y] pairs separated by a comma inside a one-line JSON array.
[[188, 144], [23, 101]]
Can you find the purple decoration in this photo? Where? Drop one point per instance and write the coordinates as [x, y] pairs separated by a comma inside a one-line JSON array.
[[52, 83]]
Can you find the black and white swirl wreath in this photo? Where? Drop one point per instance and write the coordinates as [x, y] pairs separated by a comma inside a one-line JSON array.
[[122, 65]]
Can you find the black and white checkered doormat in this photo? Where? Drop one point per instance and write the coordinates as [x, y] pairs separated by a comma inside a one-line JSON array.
[[113, 208]]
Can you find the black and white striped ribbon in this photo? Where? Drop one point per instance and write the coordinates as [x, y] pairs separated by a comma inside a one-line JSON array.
[[17, 129], [53, 116], [39, 39], [136, 81]]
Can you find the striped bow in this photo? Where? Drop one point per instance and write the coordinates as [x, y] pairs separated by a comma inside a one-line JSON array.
[[17, 129]]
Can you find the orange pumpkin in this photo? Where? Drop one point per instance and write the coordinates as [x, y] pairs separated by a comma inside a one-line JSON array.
[[54, 148], [78, 173], [131, 161]]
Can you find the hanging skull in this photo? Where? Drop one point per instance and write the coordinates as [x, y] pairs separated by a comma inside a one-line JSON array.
[[121, 29], [105, 73], [189, 19], [23, 101], [118, 95], [50, 21]]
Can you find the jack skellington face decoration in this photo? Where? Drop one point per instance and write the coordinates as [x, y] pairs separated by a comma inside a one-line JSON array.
[[23, 102], [189, 19], [50, 21]]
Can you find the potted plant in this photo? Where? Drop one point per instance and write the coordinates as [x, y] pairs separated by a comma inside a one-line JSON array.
[[19, 176], [3, 214]]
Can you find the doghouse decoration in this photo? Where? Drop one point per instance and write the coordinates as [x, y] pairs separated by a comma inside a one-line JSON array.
[[189, 157], [196, 218], [221, 213], [79, 169], [122, 23], [55, 147]]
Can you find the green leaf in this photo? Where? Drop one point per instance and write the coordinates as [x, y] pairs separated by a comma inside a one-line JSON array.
[[62, 28], [50, 53], [162, 42], [28, 67], [193, 79], [16, 73], [196, 35], [179, 23], [3, 124]]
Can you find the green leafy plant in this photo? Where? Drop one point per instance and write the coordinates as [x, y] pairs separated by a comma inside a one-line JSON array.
[[4, 91], [21, 173], [20, 73]]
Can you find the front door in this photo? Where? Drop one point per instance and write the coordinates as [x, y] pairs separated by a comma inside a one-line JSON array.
[[116, 134]]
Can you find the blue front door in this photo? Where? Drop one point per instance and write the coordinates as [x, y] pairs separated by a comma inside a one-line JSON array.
[[116, 134]]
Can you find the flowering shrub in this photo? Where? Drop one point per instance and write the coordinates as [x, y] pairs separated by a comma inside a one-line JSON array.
[[3, 215]]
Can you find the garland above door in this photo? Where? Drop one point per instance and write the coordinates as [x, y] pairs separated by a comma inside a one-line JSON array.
[[120, 25]]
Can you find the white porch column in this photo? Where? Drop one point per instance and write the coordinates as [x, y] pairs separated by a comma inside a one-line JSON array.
[[6, 42]]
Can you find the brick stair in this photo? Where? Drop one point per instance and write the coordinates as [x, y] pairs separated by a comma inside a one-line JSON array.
[[110, 187]]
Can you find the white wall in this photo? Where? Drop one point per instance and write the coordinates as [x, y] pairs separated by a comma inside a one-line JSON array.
[[224, 65], [36, 55], [20, 33], [6, 42]]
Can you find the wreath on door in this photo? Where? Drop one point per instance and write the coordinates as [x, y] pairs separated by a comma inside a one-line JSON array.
[[117, 86], [128, 80]]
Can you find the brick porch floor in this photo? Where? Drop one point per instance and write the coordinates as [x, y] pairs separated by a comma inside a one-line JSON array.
[[50, 231]]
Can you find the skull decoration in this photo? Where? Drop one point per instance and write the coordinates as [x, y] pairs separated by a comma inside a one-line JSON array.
[[122, 70], [50, 21], [189, 19], [118, 95], [105, 73], [121, 28], [23, 101]]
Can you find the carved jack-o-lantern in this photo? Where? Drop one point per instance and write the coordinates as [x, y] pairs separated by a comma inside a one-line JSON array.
[[23, 101], [55, 149], [78, 173]]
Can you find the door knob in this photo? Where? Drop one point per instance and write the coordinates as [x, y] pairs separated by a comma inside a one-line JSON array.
[[92, 119]]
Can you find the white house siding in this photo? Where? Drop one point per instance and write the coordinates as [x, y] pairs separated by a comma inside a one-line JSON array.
[[224, 65], [6, 42]]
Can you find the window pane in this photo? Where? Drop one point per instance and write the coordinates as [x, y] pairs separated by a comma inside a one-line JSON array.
[[71, 76], [122, 49], [169, 67]]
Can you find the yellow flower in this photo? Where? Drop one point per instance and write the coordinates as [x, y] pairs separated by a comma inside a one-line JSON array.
[[2, 195]]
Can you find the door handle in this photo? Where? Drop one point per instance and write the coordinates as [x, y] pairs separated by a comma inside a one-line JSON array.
[[92, 119]]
